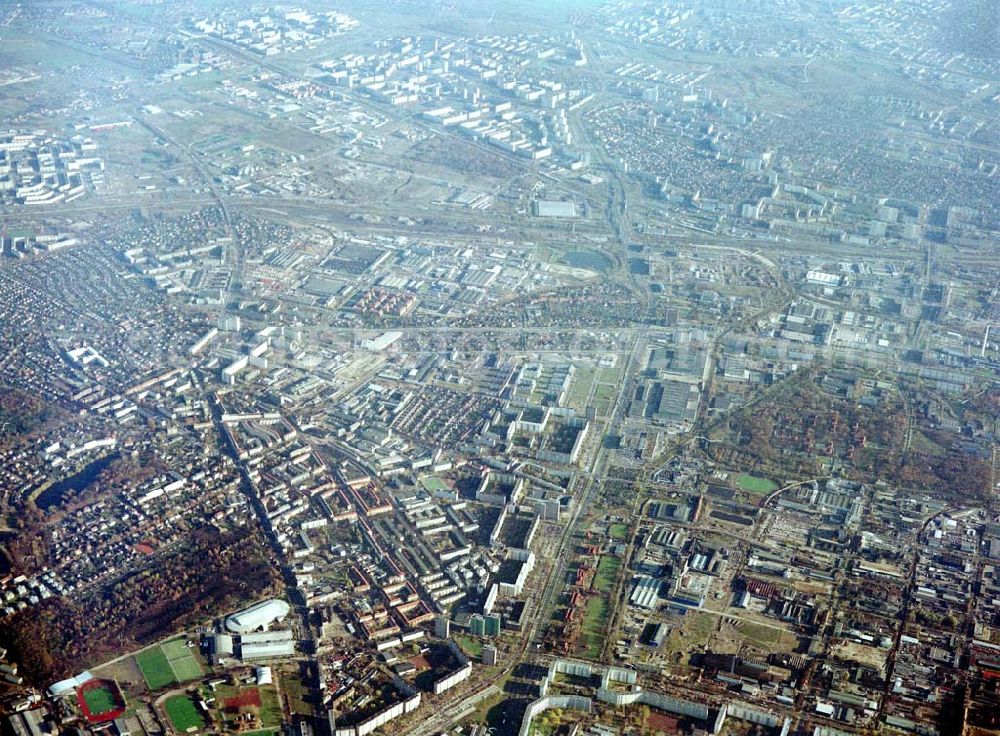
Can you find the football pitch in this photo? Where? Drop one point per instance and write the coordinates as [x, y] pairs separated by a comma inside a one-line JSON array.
[[168, 663], [155, 668], [753, 484], [181, 660], [100, 700], [182, 713]]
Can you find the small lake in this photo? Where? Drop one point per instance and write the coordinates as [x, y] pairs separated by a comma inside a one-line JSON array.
[[589, 259], [57, 492]]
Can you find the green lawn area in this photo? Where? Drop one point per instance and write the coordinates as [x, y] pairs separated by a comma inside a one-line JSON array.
[[607, 571], [499, 711], [753, 484], [604, 392], [611, 375], [270, 708], [618, 530], [182, 713], [594, 621], [99, 700], [580, 389], [472, 646], [155, 668]]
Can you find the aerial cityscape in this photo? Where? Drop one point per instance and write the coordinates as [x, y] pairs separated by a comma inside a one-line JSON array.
[[557, 368]]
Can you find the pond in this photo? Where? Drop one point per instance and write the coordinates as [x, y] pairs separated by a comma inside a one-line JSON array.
[[56, 493]]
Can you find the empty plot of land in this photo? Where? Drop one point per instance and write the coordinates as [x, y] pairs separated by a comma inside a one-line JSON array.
[[693, 630], [855, 652], [125, 672]]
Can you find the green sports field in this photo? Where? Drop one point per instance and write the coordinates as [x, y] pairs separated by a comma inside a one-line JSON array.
[[181, 660], [100, 700], [753, 484], [187, 669], [182, 713], [174, 649], [155, 668], [432, 483], [169, 663]]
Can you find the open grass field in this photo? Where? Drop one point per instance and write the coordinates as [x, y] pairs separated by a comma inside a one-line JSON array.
[[500, 712], [604, 392], [607, 572], [699, 626], [100, 700], [618, 531], [753, 484], [155, 668], [580, 389], [182, 713], [472, 646], [594, 621], [270, 708]]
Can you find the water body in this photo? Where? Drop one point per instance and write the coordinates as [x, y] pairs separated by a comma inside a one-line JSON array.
[[589, 259], [56, 493]]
